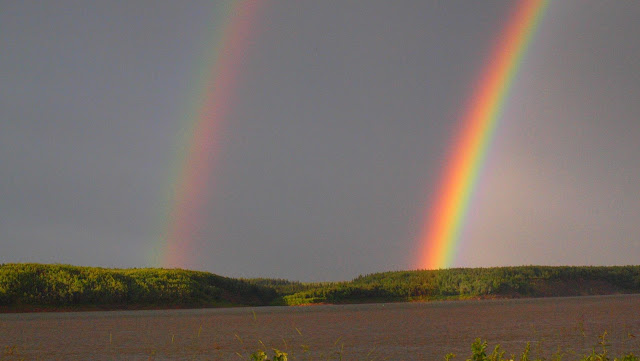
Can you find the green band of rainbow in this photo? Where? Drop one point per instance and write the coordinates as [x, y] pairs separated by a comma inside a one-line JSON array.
[[440, 236], [210, 103]]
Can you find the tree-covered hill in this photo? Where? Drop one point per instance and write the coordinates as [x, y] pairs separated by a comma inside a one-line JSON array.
[[29, 286], [457, 283], [26, 287]]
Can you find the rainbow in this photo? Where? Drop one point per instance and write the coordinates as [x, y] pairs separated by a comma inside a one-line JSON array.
[[211, 100], [443, 224]]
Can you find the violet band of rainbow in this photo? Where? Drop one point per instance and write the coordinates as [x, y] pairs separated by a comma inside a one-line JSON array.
[[444, 221], [213, 99]]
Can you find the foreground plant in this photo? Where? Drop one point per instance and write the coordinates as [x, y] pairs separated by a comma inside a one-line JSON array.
[[262, 356], [11, 353], [479, 353]]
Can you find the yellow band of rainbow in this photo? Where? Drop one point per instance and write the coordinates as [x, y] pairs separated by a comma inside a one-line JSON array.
[[211, 101], [445, 219]]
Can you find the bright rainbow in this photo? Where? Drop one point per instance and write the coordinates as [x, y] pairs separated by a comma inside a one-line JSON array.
[[440, 236], [211, 100]]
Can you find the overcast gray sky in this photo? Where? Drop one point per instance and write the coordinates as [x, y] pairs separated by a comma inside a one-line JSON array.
[[337, 136]]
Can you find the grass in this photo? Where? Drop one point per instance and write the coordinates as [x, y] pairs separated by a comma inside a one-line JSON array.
[[257, 336], [479, 352]]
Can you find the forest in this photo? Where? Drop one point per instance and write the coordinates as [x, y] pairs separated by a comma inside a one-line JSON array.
[[31, 286], [467, 283], [27, 286]]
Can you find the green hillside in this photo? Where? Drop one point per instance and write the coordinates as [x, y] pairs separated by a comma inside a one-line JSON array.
[[29, 287], [461, 283]]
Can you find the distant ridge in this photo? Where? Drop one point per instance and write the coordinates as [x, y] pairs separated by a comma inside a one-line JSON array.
[[469, 283], [42, 287], [29, 287]]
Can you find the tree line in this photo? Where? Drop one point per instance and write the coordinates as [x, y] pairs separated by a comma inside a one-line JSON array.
[[27, 284], [30, 285], [457, 283]]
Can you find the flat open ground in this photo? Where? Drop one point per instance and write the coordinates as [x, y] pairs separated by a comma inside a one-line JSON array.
[[400, 331]]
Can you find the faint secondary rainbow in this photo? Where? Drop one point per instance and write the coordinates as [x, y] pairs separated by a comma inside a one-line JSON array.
[[210, 101], [443, 225]]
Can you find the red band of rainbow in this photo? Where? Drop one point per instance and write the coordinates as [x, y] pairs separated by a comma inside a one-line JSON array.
[[214, 100], [440, 236]]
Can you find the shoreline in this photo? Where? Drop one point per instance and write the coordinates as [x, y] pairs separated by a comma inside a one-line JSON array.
[[105, 308]]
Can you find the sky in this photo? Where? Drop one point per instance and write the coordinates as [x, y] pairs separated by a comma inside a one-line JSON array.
[[335, 140]]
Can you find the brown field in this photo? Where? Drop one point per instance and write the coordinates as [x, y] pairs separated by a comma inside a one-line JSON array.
[[400, 331]]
